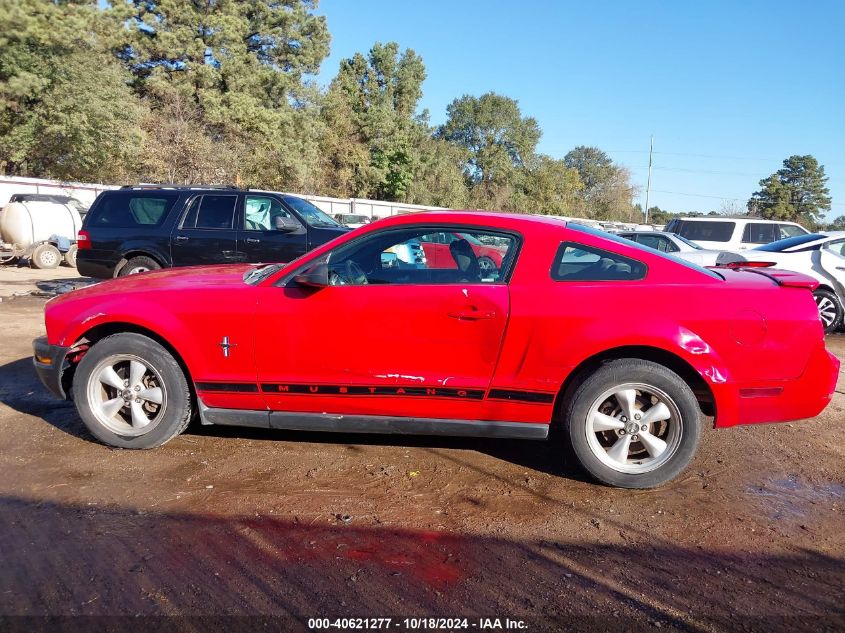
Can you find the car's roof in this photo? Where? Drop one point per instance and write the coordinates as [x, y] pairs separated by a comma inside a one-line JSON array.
[[728, 218], [466, 216]]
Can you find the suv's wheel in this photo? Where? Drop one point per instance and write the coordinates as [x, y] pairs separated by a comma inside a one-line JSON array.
[[633, 424], [45, 256], [139, 264], [131, 392], [830, 309]]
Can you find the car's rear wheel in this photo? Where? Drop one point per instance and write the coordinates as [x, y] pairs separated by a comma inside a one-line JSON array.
[[830, 309], [633, 424], [46, 256], [139, 264], [131, 392]]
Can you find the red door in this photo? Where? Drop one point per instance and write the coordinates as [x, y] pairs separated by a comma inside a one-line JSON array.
[[399, 350]]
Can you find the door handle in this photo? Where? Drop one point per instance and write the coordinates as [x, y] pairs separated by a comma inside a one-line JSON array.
[[181, 238], [472, 314], [840, 268], [252, 240]]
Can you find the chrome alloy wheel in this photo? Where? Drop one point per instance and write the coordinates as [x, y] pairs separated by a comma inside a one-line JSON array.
[[126, 394], [634, 428], [136, 270], [827, 309]]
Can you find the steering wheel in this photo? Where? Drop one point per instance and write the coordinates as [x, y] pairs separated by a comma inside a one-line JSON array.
[[352, 275]]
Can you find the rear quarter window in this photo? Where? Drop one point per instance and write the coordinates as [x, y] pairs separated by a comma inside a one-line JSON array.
[[133, 210], [579, 262]]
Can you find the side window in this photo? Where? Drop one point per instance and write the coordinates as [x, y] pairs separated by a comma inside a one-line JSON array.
[[398, 257], [260, 213], [836, 247], [787, 230], [211, 212], [759, 233], [131, 210], [579, 262], [657, 242]]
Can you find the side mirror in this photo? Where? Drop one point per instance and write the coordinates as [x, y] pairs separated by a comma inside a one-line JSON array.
[[315, 276], [285, 224]]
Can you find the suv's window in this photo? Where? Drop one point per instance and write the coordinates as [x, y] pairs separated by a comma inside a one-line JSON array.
[[133, 209], [707, 231], [399, 257], [759, 233], [211, 212], [260, 213], [579, 262], [789, 230]]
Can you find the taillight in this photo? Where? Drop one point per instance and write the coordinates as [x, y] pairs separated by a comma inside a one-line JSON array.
[[83, 241], [748, 264]]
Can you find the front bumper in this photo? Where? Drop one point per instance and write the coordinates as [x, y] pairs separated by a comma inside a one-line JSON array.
[[50, 363]]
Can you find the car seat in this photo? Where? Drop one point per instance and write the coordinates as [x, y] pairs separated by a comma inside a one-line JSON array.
[[466, 261]]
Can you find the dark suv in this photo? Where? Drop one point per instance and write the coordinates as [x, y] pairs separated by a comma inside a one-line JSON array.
[[135, 229]]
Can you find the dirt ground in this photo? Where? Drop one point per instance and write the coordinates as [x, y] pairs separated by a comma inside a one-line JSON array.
[[236, 522], [21, 280]]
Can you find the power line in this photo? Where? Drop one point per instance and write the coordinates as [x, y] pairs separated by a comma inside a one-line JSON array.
[[703, 195]]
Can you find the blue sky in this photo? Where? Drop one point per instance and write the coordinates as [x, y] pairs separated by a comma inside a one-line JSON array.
[[729, 89]]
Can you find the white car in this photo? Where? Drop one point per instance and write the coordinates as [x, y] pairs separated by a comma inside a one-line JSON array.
[[733, 234], [818, 255], [673, 244], [352, 220]]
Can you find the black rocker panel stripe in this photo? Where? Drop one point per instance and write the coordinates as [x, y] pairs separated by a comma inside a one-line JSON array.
[[532, 397], [537, 397], [382, 390], [229, 387]]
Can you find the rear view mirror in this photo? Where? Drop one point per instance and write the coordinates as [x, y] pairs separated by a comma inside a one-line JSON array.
[[285, 224], [315, 276]]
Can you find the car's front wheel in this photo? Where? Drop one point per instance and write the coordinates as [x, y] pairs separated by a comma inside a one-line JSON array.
[[130, 392], [633, 424], [830, 309]]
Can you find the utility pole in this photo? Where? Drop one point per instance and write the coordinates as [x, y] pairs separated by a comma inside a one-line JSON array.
[[648, 182]]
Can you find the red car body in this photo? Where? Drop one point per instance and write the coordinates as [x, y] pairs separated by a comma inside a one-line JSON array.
[[437, 252], [749, 343]]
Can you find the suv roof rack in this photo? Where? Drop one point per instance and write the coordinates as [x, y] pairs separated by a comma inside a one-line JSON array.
[[175, 186]]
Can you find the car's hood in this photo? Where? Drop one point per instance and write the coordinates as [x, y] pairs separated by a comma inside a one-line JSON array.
[[170, 279]]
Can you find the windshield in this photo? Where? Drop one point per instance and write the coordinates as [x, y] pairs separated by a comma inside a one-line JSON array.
[[789, 242], [255, 276], [681, 238], [311, 214]]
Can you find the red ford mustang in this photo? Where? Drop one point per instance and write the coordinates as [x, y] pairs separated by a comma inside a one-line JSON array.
[[620, 347]]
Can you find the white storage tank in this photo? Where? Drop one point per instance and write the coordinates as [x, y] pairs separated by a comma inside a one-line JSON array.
[[23, 224]]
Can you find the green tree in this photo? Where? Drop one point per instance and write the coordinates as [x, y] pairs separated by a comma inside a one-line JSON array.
[[498, 142], [838, 224], [548, 187], [372, 133], [593, 166], [796, 192], [607, 193], [65, 108], [246, 66]]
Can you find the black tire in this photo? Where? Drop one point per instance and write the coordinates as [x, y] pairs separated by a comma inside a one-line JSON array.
[[45, 256], [70, 256], [176, 408], [832, 315], [681, 439], [139, 264]]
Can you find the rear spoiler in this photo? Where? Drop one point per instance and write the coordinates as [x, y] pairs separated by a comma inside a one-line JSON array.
[[785, 278]]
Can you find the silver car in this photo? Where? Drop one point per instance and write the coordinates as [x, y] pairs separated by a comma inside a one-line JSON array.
[[673, 244], [818, 255]]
